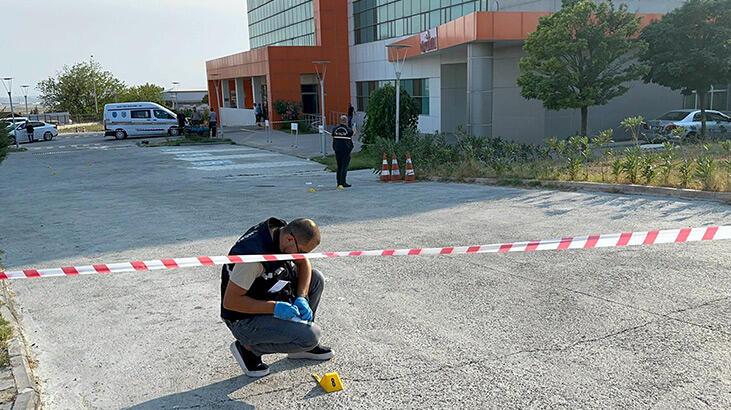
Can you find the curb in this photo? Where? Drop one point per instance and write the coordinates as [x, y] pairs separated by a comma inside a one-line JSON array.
[[27, 397], [723, 197]]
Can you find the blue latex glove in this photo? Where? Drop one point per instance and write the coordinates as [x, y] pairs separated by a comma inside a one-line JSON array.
[[304, 307], [285, 311]]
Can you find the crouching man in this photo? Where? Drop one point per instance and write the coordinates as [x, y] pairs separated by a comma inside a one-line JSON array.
[[270, 307]]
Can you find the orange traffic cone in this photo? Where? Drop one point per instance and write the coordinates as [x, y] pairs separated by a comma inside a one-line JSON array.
[[395, 173], [410, 174], [385, 173]]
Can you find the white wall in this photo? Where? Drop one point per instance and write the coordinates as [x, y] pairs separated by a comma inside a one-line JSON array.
[[235, 117]]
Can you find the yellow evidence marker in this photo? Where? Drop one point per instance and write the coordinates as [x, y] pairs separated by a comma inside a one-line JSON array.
[[312, 190], [330, 382]]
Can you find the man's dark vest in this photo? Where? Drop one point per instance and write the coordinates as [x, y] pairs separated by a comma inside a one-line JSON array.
[[258, 240]]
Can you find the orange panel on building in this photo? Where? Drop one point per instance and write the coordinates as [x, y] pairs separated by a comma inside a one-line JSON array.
[[283, 66]]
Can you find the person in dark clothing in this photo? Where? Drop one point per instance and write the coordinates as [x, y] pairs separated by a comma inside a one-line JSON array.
[[30, 130], [351, 114], [181, 122], [270, 307], [342, 145], [213, 123]]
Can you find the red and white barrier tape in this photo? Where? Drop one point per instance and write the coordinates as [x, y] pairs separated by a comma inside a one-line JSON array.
[[616, 240]]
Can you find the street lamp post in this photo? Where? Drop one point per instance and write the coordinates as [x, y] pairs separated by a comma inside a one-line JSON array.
[[93, 80], [8, 84], [398, 65], [174, 94], [219, 104], [321, 69], [25, 95]]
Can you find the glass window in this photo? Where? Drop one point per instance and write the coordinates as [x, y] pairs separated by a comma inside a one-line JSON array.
[[386, 19], [163, 115], [140, 114], [712, 116], [417, 88], [673, 116]]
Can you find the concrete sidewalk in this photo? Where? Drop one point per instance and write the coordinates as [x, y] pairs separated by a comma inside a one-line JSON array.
[[305, 146]]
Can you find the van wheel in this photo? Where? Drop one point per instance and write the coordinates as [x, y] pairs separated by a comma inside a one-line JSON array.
[[174, 132], [120, 135], [47, 136]]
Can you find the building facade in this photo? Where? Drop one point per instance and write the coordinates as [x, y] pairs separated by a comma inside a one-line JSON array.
[[461, 64]]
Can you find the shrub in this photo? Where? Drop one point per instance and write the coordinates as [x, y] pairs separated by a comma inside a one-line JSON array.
[[647, 168], [617, 169], [667, 162], [685, 172], [631, 164], [381, 115], [633, 124], [601, 140], [287, 110], [705, 170]]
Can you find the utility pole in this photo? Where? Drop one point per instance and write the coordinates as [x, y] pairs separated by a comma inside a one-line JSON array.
[[8, 84], [398, 66]]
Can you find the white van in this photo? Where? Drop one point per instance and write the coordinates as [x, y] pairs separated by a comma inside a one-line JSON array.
[[139, 119]]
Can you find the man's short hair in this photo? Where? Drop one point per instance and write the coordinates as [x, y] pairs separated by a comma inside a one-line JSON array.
[[304, 230]]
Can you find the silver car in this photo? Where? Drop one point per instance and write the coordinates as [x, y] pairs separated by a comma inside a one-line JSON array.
[[718, 125]]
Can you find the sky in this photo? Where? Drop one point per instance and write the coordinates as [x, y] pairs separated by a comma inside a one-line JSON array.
[[139, 41]]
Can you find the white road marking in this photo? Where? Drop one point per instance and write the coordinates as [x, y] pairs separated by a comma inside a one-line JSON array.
[[260, 165], [195, 151], [239, 156]]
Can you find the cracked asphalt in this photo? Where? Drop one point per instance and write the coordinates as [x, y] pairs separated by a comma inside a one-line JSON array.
[[631, 328]]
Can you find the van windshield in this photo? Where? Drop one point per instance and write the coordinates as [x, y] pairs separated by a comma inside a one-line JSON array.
[[163, 115]]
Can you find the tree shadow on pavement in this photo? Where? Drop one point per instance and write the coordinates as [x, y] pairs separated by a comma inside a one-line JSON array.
[[219, 395]]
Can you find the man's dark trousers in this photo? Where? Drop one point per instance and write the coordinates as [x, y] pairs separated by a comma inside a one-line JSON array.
[[342, 148], [265, 334]]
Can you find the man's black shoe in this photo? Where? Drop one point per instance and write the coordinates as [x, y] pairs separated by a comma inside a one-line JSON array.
[[347, 185], [250, 363], [318, 353]]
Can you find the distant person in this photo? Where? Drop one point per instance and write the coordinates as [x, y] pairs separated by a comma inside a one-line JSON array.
[[212, 123], [342, 145], [351, 114], [258, 113], [196, 119], [181, 122], [30, 130]]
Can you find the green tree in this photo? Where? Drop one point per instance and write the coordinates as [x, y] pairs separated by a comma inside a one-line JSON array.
[[381, 114], [689, 49], [4, 141], [581, 56], [73, 89], [146, 92]]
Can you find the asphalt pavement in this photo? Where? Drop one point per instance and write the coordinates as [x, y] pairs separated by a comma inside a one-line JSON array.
[[632, 328]]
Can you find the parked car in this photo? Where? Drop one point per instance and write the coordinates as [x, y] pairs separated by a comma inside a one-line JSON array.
[[718, 124], [122, 120], [40, 130], [6, 122]]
